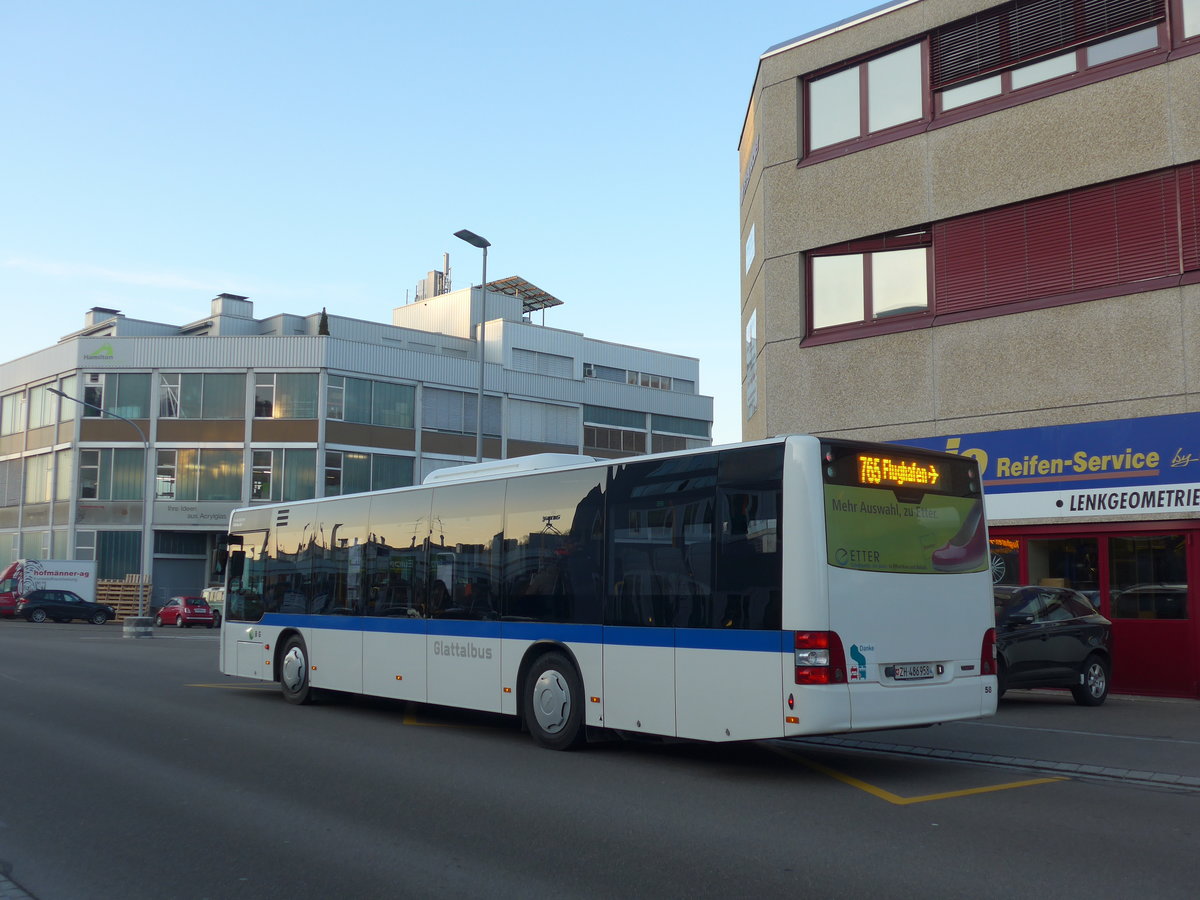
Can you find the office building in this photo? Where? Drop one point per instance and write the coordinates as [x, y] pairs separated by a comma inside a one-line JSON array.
[[170, 427], [975, 226]]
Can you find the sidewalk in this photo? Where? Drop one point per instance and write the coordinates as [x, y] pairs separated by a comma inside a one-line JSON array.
[[1139, 740]]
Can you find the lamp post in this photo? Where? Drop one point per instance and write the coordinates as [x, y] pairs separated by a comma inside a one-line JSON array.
[[147, 491], [482, 243]]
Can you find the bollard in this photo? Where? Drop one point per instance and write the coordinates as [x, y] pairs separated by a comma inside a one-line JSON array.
[[138, 627]]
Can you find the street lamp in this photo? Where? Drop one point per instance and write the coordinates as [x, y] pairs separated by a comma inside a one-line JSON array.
[[147, 491], [482, 243]]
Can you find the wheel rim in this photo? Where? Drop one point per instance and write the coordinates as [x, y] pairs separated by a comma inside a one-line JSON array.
[[999, 568], [1096, 681], [551, 701], [99, 619], [294, 669], [38, 616]]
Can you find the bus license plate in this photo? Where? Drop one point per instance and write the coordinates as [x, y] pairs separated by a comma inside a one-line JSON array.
[[914, 672]]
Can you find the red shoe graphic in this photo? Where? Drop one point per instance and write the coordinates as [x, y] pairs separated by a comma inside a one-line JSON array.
[[967, 549]]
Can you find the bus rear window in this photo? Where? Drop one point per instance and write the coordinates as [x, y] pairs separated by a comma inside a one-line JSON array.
[[903, 511]]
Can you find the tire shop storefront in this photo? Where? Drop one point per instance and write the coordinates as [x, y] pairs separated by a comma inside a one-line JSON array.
[[1110, 509]]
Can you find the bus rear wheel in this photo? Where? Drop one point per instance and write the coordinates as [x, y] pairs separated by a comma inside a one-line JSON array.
[[553, 702], [293, 671]]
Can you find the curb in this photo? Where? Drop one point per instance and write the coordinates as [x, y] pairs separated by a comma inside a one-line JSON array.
[[10, 890]]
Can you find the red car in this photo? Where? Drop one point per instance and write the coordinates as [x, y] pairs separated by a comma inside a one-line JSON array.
[[181, 611]]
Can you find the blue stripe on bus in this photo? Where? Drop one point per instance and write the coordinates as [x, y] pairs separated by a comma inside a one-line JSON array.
[[630, 636], [626, 636], [399, 625], [541, 631], [470, 628], [731, 639]]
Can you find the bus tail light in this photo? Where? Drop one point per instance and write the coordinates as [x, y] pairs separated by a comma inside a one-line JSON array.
[[819, 658], [987, 655]]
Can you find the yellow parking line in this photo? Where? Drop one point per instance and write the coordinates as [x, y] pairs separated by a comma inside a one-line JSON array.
[[906, 801]]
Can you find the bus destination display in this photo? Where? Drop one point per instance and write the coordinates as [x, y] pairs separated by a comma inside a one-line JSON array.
[[883, 471]]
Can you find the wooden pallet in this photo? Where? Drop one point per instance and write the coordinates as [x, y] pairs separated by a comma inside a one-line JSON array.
[[123, 595]]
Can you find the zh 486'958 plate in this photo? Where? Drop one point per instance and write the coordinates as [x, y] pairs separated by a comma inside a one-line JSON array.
[[910, 672]]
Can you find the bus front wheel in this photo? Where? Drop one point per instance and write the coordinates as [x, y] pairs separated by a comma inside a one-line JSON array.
[[293, 671], [553, 702]]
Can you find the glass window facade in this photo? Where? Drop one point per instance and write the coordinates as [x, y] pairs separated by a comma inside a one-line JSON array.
[[111, 474], [370, 402], [10, 482], [43, 406], [454, 412], [1147, 577], [890, 89], [285, 395], [38, 483], [12, 413], [864, 287], [352, 472], [202, 395], [199, 474]]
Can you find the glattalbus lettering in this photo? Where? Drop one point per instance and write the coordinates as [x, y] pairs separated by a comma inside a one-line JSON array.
[[462, 650], [1171, 498]]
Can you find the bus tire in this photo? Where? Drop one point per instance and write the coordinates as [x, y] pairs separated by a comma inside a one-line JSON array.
[[293, 671], [552, 705]]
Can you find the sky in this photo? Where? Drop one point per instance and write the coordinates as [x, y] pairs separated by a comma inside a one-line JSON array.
[[318, 154]]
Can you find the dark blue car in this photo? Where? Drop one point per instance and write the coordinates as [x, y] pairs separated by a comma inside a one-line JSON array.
[[1052, 637], [62, 606]]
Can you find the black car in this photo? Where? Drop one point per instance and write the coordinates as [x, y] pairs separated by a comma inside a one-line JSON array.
[[62, 606], [1052, 637]]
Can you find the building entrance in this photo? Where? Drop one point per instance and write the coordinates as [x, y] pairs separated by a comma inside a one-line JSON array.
[[1143, 576]]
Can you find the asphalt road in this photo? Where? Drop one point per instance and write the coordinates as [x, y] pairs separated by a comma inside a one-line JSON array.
[[133, 769]]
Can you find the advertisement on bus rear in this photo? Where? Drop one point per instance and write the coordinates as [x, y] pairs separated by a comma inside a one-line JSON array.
[[871, 529]]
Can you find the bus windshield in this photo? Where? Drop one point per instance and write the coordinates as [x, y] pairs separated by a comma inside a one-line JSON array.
[[895, 511]]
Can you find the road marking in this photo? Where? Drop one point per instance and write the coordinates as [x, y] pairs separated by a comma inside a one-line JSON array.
[[411, 719], [897, 800]]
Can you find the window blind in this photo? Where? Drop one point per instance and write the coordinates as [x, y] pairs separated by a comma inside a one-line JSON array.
[[1024, 30], [1108, 234]]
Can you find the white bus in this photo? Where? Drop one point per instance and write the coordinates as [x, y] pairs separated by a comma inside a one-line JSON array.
[[774, 589]]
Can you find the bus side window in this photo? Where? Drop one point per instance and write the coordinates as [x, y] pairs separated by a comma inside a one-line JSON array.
[[749, 576]]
